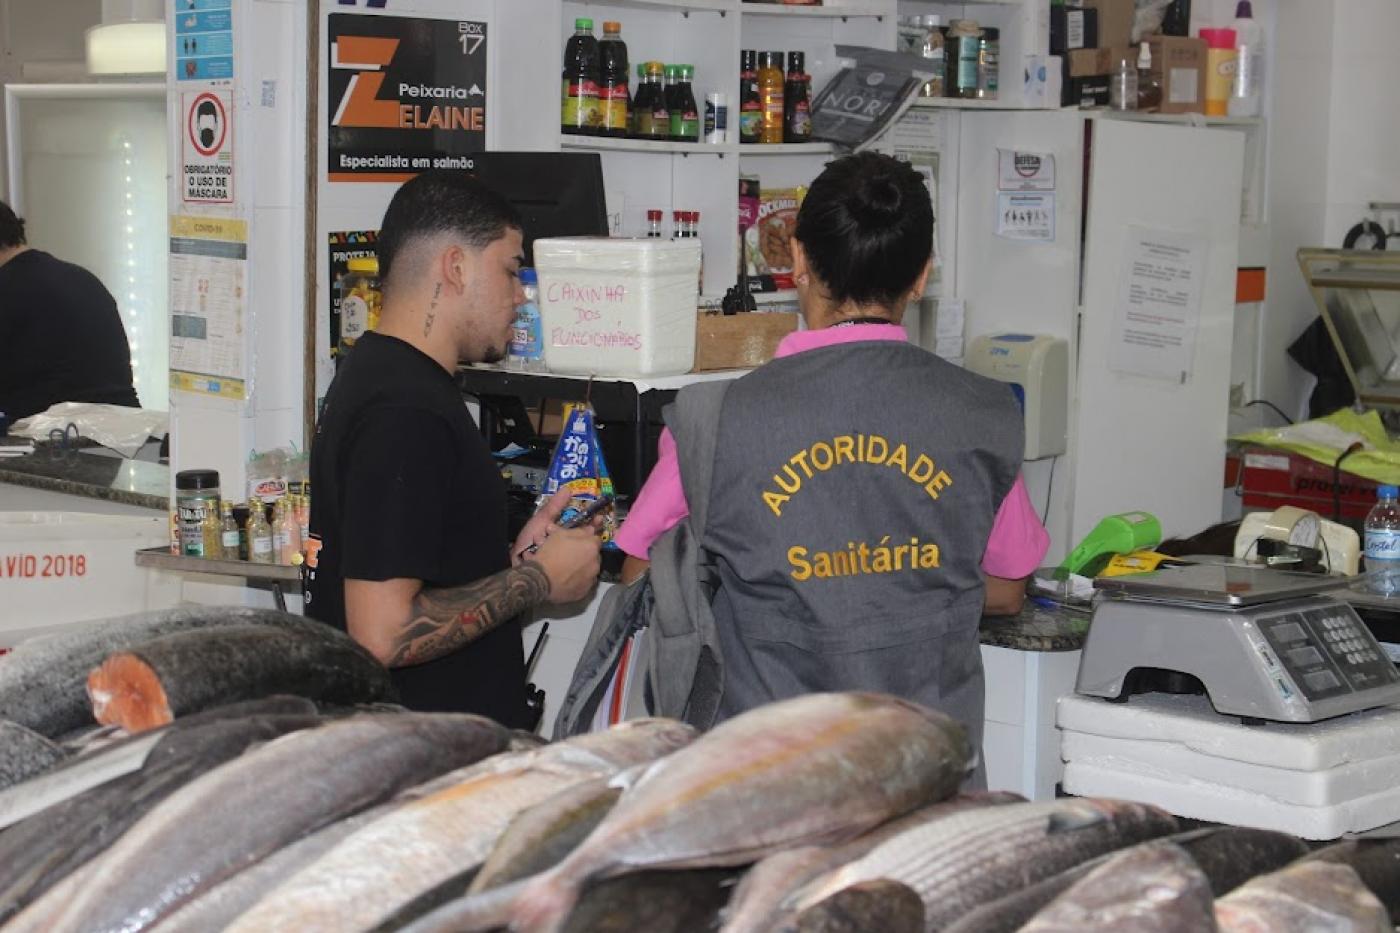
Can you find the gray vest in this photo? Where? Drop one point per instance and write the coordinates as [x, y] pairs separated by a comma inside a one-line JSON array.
[[854, 491]]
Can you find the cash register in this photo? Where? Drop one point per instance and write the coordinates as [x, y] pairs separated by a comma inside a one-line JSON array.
[[1264, 644]]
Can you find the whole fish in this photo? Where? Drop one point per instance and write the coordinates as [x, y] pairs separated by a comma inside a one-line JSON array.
[[219, 906], [1375, 861], [968, 859], [25, 753], [225, 820], [83, 772], [40, 851], [1150, 888], [542, 835], [1305, 897], [449, 826], [879, 906], [654, 901], [1229, 856], [818, 768], [185, 672], [757, 904], [43, 681]]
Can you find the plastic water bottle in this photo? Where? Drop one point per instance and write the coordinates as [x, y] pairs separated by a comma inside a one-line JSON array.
[[1383, 543], [526, 351]]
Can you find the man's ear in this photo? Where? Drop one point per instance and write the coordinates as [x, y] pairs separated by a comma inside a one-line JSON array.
[[453, 265]]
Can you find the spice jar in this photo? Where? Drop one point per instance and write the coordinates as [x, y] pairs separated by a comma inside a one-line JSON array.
[[197, 497], [359, 300], [988, 63]]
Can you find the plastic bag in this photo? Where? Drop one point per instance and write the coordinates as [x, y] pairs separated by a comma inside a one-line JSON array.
[[578, 465], [1148, 18], [271, 473], [125, 430]]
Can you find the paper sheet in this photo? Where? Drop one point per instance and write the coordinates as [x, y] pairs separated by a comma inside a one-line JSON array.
[[1159, 304]]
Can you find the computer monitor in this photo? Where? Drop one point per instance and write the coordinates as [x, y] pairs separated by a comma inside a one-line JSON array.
[[557, 193]]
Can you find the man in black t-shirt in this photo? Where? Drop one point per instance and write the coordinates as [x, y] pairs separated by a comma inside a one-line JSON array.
[[409, 549], [61, 337]]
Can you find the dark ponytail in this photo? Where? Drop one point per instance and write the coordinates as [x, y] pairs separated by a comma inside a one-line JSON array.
[[867, 228], [11, 228]]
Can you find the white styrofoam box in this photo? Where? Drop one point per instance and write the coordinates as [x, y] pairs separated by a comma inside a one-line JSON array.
[[618, 307], [60, 568], [1204, 800], [1305, 788], [1190, 721]]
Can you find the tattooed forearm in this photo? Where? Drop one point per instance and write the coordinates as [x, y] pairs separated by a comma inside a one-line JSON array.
[[444, 620]]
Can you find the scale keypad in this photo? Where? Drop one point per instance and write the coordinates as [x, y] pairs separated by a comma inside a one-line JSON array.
[[1328, 652]]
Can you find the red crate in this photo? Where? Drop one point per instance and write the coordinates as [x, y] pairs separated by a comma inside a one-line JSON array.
[[1277, 477]]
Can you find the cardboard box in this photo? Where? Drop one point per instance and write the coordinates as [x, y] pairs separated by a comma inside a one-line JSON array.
[[1087, 91], [1179, 64], [1272, 478], [1083, 63], [1073, 28], [1115, 21], [739, 341]]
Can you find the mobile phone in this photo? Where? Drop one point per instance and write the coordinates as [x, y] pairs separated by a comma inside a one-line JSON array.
[[587, 514]]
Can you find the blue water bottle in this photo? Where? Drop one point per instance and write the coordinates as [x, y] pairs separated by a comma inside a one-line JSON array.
[[526, 351]]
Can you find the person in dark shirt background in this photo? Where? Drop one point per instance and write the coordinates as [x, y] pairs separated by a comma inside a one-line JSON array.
[[61, 337]]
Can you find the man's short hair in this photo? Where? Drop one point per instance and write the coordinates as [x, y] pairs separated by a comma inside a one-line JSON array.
[[443, 202], [11, 228]]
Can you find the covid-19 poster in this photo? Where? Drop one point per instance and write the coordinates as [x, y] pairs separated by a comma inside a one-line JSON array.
[[404, 95]]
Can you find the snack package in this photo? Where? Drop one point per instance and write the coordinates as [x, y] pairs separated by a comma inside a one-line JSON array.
[[577, 465], [749, 199], [773, 233]]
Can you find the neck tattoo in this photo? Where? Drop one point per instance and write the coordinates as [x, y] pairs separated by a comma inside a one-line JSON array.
[[432, 309]]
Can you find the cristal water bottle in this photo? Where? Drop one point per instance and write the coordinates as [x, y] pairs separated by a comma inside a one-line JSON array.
[[526, 350], [1383, 543]]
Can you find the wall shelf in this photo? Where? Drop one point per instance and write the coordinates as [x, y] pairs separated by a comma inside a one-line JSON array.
[[614, 144], [782, 149], [960, 103], [812, 12], [684, 7]]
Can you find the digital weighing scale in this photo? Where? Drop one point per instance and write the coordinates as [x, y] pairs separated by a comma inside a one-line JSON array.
[[1266, 644]]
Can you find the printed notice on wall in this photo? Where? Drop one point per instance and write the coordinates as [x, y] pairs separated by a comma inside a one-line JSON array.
[[206, 169], [1025, 195], [403, 96], [1025, 171], [208, 288], [203, 40], [1159, 304]]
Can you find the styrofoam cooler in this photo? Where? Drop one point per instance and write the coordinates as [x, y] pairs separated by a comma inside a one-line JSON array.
[[63, 568], [615, 307]]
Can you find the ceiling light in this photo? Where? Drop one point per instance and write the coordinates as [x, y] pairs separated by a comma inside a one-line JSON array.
[[130, 39]]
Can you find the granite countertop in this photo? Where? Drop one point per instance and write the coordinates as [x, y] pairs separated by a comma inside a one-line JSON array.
[[94, 475], [1037, 628]]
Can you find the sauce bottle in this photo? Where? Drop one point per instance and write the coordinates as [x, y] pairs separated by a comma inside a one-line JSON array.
[[685, 114], [651, 116], [750, 106], [770, 95], [613, 97], [797, 109], [580, 111]]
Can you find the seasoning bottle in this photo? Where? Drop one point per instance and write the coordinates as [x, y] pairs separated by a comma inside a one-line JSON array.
[[716, 118], [964, 49], [228, 532], [988, 63], [613, 98], [580, 113], [286, 531], [652, 116], [197, 495], [932, 48], [212, 534], [797, 109], [750, 105], [653, 225], [668, 93], [259, 533], [770, 95], [1149, 88], [678, 231], [685, 115]]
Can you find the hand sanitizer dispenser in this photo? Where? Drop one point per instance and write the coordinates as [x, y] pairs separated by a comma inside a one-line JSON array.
[[1037, 367]]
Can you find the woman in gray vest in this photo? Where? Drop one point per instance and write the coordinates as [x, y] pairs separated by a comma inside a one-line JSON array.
[[865, 503]]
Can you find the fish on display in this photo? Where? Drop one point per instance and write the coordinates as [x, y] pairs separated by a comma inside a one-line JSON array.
[[1229, 856], [25, 753], [820, 768], [654, 901], [879, 906], [1305, 897], [223, 821], [84, 772], [43, 681], [542, 835], [1150, 888], [156, 681], [449, 825], [756, 906], [971, 858], [1375, 861], [40, 851]]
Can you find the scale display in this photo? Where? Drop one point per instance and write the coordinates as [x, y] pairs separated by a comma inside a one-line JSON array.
[[1328, 652]]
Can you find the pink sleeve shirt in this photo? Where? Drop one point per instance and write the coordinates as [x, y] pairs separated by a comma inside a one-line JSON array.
[[1017, 544]]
